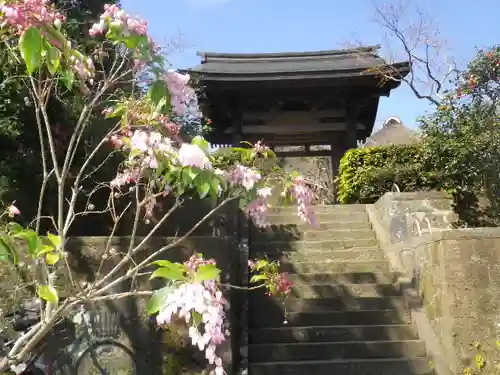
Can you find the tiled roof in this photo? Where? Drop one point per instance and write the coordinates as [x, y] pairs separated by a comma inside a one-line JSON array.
[[336, 63]]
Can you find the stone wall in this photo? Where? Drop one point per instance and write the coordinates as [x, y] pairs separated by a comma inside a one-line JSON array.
[[395, 215], [180, 221], [455, 272], [460, 287], [127, 318]]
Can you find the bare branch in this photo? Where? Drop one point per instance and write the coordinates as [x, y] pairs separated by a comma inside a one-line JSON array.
[[411, 36]]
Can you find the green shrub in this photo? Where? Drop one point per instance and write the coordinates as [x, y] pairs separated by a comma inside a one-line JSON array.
[[365, 174]]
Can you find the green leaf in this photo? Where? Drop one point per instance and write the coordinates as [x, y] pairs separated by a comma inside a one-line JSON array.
[[31, 46], [14, 228], [197, 318], [203, 189], [53, 59], [68, 78], [180, 190], [188, 175], [157, 91], [48, 293], [52, 258], [161, 105], [169, 273], [256, 278], [135, 152], [242, 203], [32, 240], [117, 111], [207, 272], [200, 142], [164, 263], [132, 41], [261, 264], [7, 251], [4, 252], [214, 187], [44, 250], [54, 240], [158, 299]]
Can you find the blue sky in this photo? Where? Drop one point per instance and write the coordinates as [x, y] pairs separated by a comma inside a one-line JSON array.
[[297, 25]]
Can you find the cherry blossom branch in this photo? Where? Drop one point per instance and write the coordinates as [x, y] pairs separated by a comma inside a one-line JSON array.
[[112, 297], [244, 287], [132, 250], [76, 183], [151, 257]]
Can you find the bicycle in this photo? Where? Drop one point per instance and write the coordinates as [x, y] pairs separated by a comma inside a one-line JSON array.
[[86, 355]]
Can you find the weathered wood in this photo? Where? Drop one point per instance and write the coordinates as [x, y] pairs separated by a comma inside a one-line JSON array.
[[292, 154], [351, 136]]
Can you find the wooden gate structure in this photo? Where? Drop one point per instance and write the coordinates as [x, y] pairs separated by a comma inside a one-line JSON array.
[[321, 102]]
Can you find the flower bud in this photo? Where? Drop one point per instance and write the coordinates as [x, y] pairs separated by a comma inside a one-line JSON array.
[[57, 24]]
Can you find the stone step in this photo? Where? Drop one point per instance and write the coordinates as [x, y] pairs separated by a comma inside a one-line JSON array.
[[312, 255], [332, 217], [266, 318], [307, 351], [331, 333], [322, 226], [321, 209], [262, 247], [312, 235], [335, 267], [292, 304], [344, 290], [389, 366], [344, 278]]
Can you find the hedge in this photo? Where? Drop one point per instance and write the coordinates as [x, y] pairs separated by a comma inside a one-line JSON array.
[[365, 174]]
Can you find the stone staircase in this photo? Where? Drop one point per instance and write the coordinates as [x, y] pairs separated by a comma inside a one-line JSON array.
[[346, 314]]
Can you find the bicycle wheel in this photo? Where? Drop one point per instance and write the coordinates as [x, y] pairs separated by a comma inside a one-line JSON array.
[[59, 367], [106, 357]]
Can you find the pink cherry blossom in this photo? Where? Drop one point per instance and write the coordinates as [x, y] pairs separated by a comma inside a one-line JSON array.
[[304, 196], [206, 300], [140, 141], [257, 209], [13, 211], [180, 93], [244, 176], [171, 127], [114, 15], [192, 156], [29, 13]]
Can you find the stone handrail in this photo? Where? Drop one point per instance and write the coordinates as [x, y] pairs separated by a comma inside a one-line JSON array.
[[453, 274]]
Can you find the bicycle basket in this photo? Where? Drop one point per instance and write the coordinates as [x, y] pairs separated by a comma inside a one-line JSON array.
[[104, 323]]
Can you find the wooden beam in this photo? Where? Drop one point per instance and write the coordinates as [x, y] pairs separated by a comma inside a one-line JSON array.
[[292, 117], [363, 84], [309, 153], [292, 130]]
